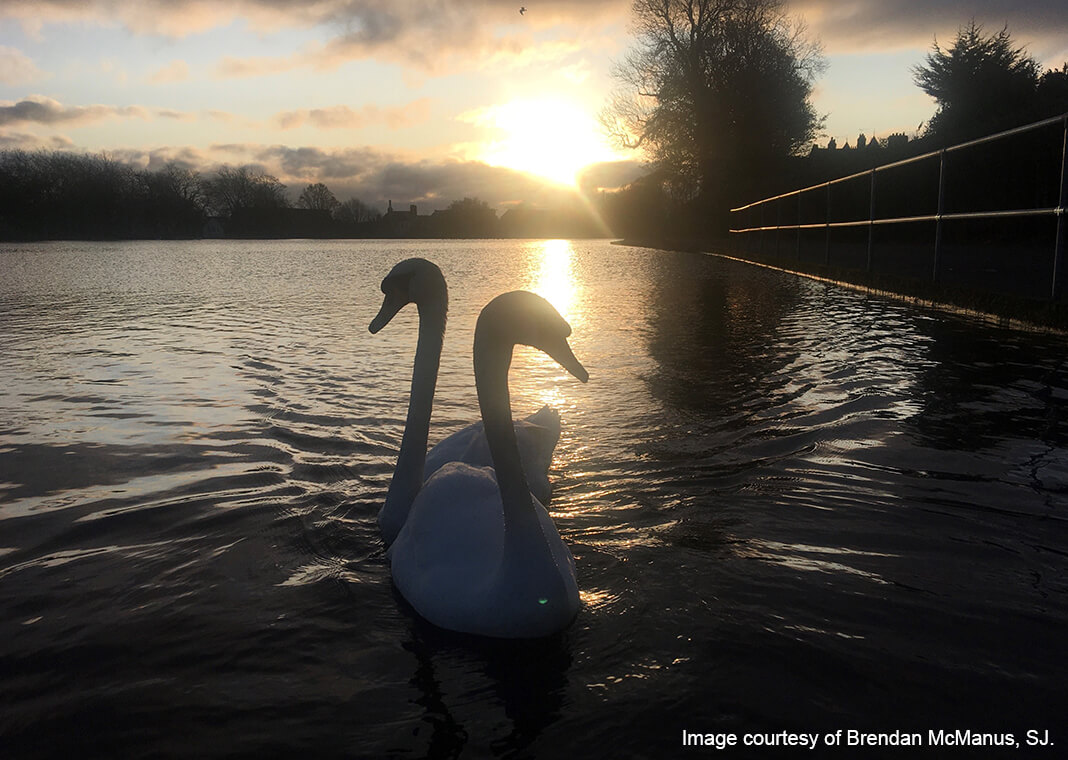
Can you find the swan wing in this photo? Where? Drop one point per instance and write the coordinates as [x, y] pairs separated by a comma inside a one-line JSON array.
[[536, 436], [451, 544], [452, 449]]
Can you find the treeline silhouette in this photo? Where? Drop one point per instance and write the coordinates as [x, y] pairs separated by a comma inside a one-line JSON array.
[[982, 84], [55, 195]]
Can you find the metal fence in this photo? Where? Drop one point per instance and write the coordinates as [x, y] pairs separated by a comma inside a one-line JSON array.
[[767, 225]]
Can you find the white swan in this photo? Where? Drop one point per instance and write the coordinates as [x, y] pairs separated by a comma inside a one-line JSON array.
[[421, 282], [478, 552]]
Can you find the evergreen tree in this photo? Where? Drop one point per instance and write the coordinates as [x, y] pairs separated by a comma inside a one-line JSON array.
[[981, 83]]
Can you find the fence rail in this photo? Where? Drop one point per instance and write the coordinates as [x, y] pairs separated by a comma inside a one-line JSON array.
[[758, 228]]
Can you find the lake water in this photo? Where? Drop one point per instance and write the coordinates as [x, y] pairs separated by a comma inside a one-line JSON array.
[[793, 507]]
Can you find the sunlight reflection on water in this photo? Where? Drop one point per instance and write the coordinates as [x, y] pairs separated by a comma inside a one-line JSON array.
[[551, 277]]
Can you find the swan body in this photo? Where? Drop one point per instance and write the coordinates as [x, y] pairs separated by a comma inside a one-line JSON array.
[[421, 282], [537, 435], [478, 552]]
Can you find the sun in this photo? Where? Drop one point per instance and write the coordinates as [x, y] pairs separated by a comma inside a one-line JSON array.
[[550, 137]]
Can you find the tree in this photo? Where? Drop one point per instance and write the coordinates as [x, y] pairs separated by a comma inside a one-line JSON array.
[[715, 93], [469, 217], [318, 198], [355, 211], [1053, 92], [173, 204], [982, 84], [231, 190]]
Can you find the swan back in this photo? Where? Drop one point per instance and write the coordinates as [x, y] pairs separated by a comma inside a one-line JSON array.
[[537, 436]]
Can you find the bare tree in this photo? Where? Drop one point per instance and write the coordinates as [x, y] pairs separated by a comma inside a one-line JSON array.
[[176, 183], [318, 198], [244, 188], [354, 211]]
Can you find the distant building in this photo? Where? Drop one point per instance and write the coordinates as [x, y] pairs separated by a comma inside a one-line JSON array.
[[403, 223]]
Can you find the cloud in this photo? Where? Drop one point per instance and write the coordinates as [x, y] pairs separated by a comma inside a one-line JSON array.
[[609, 175], [343, 117], [175, 71], [369, 22], [372, 175], [435, 183], [236, 68], [428, 35], [866, 25], [25, 141], [170, 113], [168, 18], [112, 67], [37, 109], [156, 158], [424, 36], [375, 176], [16, 68], [223, 116], [307, 163], [419, 49]]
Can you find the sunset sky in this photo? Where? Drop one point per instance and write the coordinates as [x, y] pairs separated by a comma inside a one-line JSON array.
[[420, 102]]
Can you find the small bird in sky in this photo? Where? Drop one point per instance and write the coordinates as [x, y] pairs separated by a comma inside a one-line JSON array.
[[522, 9]]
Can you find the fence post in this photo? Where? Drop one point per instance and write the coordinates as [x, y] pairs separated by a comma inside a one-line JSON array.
[[754, 237], [778, 224], [799, 226], [1058, 246], [941, 209], [871, 215], [763, 224], [827, 244]]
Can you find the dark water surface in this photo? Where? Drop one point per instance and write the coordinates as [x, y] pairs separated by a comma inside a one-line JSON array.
[[793, 507]]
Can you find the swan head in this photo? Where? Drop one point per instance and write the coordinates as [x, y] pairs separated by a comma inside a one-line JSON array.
[[526, 318], [415, 281]]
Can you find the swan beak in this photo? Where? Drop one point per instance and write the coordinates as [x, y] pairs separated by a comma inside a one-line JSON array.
[[565, 357], [391, 304]]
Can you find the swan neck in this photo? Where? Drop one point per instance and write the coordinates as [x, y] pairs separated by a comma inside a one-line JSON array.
[[408, 476], [492, 360]]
